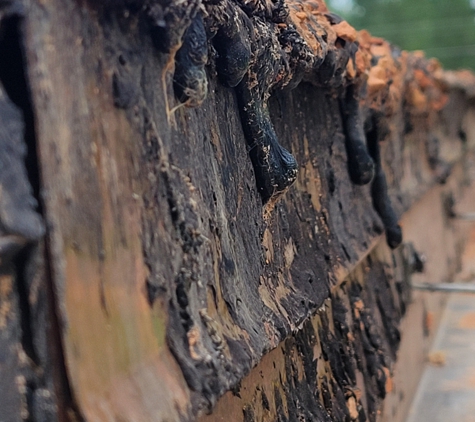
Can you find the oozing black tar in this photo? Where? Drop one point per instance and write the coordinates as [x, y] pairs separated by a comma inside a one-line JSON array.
[[256, 57]]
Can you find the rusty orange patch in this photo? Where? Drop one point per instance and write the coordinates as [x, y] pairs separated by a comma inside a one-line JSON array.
[[467, 321]]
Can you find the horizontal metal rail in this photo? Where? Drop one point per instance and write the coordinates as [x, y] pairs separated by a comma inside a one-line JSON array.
[[467, 216], [445, 287]]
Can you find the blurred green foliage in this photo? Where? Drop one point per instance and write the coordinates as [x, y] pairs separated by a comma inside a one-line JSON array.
[[442, 28]]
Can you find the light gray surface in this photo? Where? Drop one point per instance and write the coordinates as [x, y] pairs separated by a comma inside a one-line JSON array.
[[447, 393]]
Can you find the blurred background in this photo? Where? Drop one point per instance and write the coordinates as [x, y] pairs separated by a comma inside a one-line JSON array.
[[442, 28]]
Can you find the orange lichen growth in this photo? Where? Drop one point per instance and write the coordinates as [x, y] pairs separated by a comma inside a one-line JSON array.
[[345, 31], [309, 20], [424, 90], [385, 74]]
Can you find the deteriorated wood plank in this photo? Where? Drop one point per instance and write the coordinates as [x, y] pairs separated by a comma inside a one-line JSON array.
[[337, 366], [332, 367], [171, 283]]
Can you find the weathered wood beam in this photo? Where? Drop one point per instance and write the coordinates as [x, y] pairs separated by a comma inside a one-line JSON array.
[[206, 212]]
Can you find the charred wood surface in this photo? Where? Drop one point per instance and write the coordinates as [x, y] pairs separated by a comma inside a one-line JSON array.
[[212, 177]]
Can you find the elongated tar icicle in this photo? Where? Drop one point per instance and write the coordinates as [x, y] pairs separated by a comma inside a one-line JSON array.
[[379, 190]]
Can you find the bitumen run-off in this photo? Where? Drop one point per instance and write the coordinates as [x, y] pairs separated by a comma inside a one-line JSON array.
[[446, 392]]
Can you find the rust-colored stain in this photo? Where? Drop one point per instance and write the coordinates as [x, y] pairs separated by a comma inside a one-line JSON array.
[[429, 320], [467, 321], [389, 380]]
